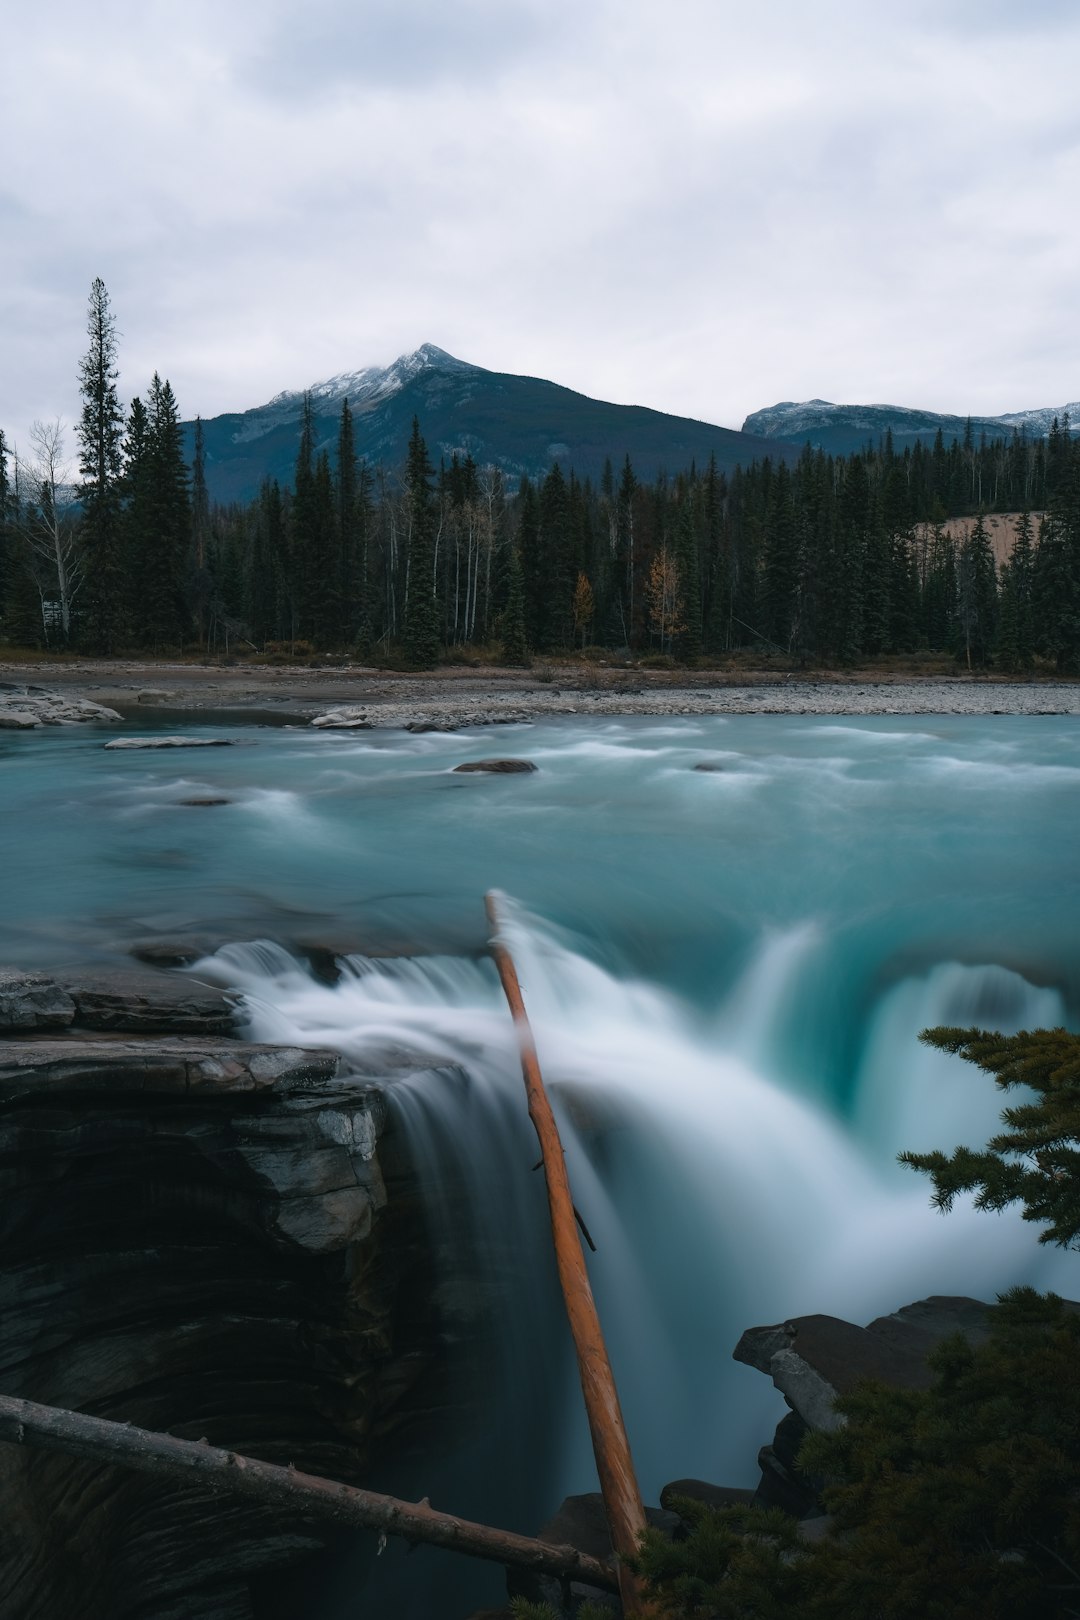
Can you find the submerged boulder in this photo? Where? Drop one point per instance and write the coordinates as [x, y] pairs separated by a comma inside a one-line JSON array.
[[498, 767], [172, 742]]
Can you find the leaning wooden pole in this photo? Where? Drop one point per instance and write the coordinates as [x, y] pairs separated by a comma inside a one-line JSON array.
[[56, 1429], [614, 1464]]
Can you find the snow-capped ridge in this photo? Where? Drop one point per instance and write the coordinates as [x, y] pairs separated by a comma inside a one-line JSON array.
[[800, 419], [374, 383]]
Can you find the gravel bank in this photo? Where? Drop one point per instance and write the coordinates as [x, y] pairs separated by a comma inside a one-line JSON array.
[[462, 697]]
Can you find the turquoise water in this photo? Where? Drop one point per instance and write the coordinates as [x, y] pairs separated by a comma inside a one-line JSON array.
[[727, 971]]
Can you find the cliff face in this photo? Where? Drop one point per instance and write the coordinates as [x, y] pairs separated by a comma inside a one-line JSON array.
[[191, 1239]]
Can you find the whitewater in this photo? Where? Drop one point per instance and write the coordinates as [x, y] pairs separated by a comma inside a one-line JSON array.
[[727, 970]]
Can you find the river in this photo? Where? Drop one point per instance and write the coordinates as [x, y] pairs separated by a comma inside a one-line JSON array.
[[727, 970]]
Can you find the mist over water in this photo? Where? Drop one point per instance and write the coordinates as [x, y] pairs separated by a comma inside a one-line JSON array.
[[726, 970]]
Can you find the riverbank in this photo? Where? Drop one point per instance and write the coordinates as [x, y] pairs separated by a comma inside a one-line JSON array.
[[461, 696]]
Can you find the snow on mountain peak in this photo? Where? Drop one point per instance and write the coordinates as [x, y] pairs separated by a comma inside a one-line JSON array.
[[374, 383]]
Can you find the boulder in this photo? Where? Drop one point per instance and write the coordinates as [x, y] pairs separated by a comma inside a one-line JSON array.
[[706, 765], [203, 804], [431, 725], [23, 707], [498, 767], [343, 720], [172, 742], [139, 1002], [180, 950], [812, 1359], [32, 1001]]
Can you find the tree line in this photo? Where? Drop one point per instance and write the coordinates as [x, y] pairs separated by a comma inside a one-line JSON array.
[[835, 559]]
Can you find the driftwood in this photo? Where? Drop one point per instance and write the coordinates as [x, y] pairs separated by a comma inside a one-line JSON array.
[[27, 1423], [614, 1464]]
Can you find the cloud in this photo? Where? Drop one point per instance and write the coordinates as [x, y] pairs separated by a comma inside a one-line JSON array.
[[404, 45], [691, 205]]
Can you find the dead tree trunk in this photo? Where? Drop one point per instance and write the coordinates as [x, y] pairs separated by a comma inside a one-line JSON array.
[[614, 1464], [27, 1423]]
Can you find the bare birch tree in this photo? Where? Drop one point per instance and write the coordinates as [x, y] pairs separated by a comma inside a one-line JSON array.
[[46, 520]]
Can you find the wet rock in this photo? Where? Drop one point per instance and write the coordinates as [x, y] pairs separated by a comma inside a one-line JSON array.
[[497, 767], [420, 726], [203, 803], [138, 1002], [707, 765], [172, 742], [23, 707], [343, 720], [181, 1063], [176, 950], [32, 1001], [154, 695]]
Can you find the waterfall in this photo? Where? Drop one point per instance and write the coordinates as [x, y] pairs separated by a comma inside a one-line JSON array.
[[717, 1195]]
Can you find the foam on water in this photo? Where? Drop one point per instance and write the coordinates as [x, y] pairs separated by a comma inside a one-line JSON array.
[[718, 1196]]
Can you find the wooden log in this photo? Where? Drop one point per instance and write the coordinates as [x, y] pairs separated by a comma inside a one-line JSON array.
[[611, 1448], [52, 1427]]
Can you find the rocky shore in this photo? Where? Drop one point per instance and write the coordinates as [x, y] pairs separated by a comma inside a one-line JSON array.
[[452, 698]]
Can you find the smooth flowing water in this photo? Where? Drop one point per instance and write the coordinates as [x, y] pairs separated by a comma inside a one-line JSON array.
[[727, 970]]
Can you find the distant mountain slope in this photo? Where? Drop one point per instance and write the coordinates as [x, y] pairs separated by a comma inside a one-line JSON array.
[[521, 424], [843, 428]]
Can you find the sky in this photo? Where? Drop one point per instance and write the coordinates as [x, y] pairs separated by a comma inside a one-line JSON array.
[[697, 205]]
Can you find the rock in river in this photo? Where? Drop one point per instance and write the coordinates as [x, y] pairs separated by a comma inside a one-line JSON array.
[[497, 767], [171, 742], [24, 707]]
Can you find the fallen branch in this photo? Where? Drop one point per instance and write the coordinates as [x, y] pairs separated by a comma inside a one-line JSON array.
[[26, 1423], [614, 1464]]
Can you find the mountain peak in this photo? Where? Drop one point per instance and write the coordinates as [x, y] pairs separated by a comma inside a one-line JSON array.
[[371, 384]]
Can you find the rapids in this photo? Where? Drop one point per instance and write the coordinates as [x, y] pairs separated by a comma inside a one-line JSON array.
[[726, 970]]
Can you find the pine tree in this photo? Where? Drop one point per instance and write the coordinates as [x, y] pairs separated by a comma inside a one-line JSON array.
[[351, 518], [100, 431], [977, 596], [514, 646], [201, 586], [166, 556], [421, 607]]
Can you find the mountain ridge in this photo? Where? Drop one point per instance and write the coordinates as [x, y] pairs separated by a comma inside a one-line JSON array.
[[522, 425], [844, 428]]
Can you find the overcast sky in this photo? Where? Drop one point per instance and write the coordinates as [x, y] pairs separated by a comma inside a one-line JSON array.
[[692, 204]]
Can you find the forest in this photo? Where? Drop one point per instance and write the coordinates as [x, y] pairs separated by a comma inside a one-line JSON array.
[[838, 561]]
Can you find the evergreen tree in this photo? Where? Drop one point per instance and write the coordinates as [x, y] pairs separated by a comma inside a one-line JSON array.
[[781, 565], [100, 432], [351, 521], [977, 596], [421, 607], [201, 588], [689, 566], [166, 539], [514, 647]]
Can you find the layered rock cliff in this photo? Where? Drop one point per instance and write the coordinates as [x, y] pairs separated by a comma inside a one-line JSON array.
[[191, 1239]]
